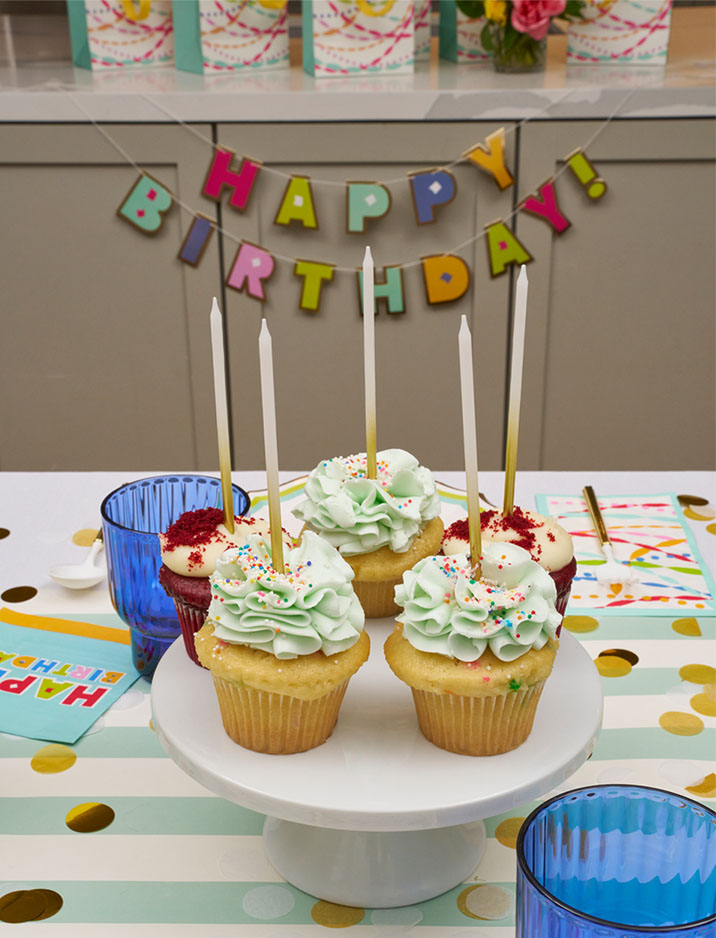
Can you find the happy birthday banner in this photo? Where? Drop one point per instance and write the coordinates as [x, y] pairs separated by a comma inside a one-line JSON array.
[[446, 275]]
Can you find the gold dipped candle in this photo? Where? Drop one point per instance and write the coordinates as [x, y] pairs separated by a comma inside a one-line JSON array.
[[371, 443], [469, 435], [268, 408], [222, 418], [513, 413]]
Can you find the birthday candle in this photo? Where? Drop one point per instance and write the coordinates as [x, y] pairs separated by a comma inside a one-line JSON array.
[[469, 435], [268, 407], [513, 414], [222, 418], [369, 363]]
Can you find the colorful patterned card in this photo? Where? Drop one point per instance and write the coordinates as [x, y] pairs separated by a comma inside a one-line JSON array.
[[343, 38], [650, 533], [112, 34], [57, 676]]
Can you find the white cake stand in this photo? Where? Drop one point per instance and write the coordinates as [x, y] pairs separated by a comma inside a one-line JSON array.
[[377, 816]]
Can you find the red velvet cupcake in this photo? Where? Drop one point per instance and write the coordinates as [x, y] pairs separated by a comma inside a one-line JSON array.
[[547, 542], [190, 548]]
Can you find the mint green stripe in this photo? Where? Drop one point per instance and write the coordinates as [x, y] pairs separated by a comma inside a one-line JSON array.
[[117, 742], [615, 628], [216, 904], [652, 742], [132, 742], [132, 816], [651, 681]]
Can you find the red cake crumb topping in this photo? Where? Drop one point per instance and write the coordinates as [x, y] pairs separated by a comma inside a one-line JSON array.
[[518, 522], [194, 528]]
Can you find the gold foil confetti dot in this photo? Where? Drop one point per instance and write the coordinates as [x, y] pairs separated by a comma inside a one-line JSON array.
[[711, 528], [18, 594], [612, 666], [698, 673], [706, 788], [85, 537], [29, 905], [506, 831], [4, 532], [681, 724], [89, 817], [686, 627], [624, 653], [685, 500], [53, 758], [580, 623], [703, 703], [486, 902], [331, 915]]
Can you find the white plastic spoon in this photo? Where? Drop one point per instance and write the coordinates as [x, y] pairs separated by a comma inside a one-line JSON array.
[[81, 576]]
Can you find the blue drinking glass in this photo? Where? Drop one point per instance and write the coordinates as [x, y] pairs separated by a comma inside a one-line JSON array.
[[132, 517], [617, 861]]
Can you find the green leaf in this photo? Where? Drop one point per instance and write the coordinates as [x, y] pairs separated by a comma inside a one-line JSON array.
[[471, 8], [486, 38]]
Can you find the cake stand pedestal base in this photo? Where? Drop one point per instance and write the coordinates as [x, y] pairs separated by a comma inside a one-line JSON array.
[[379, 869]]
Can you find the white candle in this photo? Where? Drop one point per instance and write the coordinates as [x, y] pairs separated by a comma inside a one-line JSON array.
[[513, 413], [369, 363], [222, 417], [469, 435], [268, 407]]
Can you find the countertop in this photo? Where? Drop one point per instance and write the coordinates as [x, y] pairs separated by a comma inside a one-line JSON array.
[[38, 83]]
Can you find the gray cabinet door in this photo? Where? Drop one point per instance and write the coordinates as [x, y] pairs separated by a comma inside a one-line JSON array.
[[105, 358], [619, 366], [318, 357]]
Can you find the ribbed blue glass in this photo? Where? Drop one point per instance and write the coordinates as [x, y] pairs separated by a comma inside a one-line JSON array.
[[132, 517], [617, 861]]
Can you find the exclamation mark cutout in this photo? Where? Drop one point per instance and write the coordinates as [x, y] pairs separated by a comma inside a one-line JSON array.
[[586, 174]]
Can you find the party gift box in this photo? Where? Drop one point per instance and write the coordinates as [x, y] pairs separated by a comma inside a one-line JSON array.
[[212, 37], [421, 28], [121, 33], [343, 38], [621, 32], [461, 24]]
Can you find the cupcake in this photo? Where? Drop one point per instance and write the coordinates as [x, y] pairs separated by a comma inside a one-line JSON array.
[[546, 541], [475, 652], [382, 526], [281, 647], [190, 548]]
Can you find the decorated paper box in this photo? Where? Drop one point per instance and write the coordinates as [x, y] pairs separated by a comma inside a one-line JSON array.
[[121, 33], [421, 28], [212, 36], [460, 34], [343, 38], [621, 32]]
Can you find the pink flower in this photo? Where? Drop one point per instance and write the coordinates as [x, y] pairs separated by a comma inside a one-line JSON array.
[[533, 16]]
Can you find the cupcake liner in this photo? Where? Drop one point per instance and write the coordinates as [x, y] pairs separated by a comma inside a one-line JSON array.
[[191, 619], [563, 581], [477, 726], [377, 597], [276, 723]]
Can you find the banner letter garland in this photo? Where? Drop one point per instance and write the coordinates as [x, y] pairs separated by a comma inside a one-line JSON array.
[[365, 200], [430, 189], [197, 238], [491, 158], [220, 174], [503, 248], [252, 265], [146, 204], [313, 274], [297, 204], [446, 278], [390, 290], [545, 206]]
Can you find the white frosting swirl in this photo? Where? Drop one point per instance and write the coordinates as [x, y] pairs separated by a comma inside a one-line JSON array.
[[358, 515], [510, 609], [311, 607]]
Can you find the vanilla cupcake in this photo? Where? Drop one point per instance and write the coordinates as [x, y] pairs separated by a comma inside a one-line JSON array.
[[281, 647], [381, 526], [475, 652], [546, 541]]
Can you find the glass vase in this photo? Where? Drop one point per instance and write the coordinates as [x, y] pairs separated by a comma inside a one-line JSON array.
[[523, 54]]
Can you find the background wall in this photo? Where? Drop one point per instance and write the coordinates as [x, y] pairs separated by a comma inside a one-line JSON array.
[[105, 359]]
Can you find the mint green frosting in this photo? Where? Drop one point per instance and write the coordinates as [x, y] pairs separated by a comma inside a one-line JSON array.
[[308, 608], [510, 609], [358, 515]]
